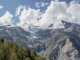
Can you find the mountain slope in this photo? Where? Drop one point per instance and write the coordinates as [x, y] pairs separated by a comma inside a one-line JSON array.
[[53, 44], [64, 44], [12, 51], [30, 39], [63, 48], [15, 34]]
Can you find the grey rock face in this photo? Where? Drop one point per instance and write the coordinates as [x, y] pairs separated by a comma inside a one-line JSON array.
[[64, 44]]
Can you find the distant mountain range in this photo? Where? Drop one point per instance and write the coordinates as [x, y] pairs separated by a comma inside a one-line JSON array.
[[53, 44]]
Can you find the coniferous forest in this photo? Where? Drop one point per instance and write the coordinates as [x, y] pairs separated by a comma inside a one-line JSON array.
[[12, 51]]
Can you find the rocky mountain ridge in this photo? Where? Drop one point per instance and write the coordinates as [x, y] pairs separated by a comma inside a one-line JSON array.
[[58, 44]]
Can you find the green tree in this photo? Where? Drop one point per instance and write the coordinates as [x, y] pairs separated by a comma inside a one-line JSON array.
[[2, 40]]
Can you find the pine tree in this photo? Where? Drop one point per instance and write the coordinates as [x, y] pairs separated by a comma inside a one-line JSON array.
[[2, 40]]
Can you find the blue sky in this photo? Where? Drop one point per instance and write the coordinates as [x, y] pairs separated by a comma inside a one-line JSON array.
[[27, 12], [11, 5]]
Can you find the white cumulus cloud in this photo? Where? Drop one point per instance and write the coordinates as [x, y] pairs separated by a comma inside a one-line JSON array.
[[28, 17], [55, 9], [55, 12], [62, 11], [19, 9], [6, 19]]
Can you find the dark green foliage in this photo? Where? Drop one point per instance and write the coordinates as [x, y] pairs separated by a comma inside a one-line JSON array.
[[12, 51], [2, 40]]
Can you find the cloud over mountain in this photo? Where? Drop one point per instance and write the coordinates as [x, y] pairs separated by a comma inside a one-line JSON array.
[[55, 12], [27, 16]]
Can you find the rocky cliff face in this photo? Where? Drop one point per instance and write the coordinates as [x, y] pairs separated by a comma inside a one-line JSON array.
[[64, 50], [67, 51], [64, 44], [62, 47]]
